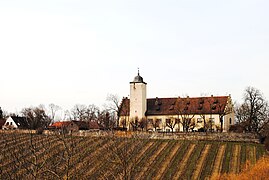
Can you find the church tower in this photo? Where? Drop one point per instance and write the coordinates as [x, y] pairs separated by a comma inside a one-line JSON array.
[[138, 97]]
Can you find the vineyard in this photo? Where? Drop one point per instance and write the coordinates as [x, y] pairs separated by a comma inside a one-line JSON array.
[[32, 156]]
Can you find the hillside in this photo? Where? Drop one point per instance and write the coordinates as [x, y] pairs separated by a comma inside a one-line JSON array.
[[56, 157]]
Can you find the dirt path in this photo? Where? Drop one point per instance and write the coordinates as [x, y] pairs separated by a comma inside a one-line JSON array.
[[234, 166], [251, 155], [151, 160], [254, 154], [218, 162], [184, 162], [200, 162], [167, 161]]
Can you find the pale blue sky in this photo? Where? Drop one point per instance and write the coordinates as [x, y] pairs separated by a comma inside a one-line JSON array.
[[77, 51]]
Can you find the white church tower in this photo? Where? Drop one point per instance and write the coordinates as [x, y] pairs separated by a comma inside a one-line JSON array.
[[138, 97]]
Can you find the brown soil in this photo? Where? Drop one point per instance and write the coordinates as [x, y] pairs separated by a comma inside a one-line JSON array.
[[151, 160], [201, 161], [234, 166], [218, 162], [184, 162], [167, 161]]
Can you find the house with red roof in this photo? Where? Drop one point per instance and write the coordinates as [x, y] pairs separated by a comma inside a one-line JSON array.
[[74, 126], [175, 114], [69, 126]]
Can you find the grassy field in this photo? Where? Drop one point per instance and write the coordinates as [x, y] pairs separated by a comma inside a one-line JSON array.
[[31, 156]]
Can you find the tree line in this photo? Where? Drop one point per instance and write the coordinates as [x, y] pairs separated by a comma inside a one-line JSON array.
[[40, 117]]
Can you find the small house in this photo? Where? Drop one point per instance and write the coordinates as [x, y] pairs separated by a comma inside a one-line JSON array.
[[15, 122]]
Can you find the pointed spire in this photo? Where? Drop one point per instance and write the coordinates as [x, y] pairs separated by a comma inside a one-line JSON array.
[[138, 72]]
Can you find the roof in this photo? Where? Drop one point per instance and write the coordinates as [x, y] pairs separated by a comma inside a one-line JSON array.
[[60, 124], [21, 122], [172, 106], [138, 79], [82, 125], [94, 125]]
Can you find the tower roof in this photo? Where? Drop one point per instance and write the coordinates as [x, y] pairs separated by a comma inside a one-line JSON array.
[[138, 78]]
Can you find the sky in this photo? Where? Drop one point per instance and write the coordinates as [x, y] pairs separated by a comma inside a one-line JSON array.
[[71, 52]]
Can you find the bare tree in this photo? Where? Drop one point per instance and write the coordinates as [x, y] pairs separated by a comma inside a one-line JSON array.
[[105, 119], [223, 109], [185, 113], [155, 123], [53, 108], [134, 122], [114, 105], [78, 112], [171, 123], [254, 112], [91, 113], [36, 117], [142, 123]]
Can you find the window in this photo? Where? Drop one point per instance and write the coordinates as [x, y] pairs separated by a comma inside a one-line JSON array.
[[211, 120], [177, 121], [10, 123], [199, 120], [171, 107], [158, 120], [7, 123], [230, 120], [214, 107], [168, 121]]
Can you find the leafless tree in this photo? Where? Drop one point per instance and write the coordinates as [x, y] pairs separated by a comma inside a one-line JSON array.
[[91, 113], [53, 108], [142, 123], [78, 112], [223, 109], [114, 105], [254, 111], [134, 122], [171, 123], [185, 113], [105, 118], [154, 123], [36, 117]]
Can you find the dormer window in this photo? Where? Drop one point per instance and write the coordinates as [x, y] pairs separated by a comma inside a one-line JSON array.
[[214, 107]]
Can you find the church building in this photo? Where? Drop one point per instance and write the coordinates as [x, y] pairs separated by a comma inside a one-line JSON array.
[[175, 114]]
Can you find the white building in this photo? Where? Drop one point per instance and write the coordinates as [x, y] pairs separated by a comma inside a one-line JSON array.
[[15, 122], [174, 114]]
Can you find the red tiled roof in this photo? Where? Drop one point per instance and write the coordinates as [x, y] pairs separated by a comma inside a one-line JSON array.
[[60, 124], [172, 106]]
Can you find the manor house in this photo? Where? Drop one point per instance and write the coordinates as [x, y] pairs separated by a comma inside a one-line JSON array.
[[175, 114]]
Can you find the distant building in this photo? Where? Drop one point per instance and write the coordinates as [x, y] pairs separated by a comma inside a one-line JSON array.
[[174, 114], [15, 122], [70, 126]]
